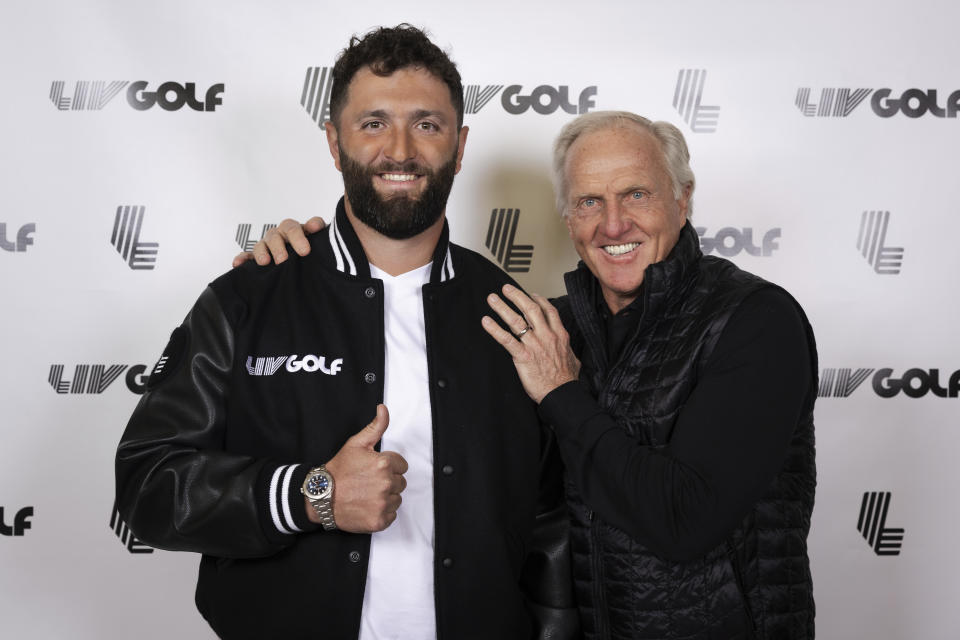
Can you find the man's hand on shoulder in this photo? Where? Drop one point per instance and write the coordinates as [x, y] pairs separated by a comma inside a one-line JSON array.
[[366, 483], [272, 248]]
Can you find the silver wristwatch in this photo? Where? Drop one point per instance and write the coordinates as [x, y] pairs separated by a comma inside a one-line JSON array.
[[318, 488]]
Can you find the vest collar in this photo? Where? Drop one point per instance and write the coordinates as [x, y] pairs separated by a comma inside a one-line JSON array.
[[348, 256], [662, 282]]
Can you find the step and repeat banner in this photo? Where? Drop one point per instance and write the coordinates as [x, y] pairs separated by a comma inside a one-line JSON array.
[[145, 144]]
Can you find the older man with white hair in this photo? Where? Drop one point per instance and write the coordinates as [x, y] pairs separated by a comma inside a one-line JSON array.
[[681, 391]]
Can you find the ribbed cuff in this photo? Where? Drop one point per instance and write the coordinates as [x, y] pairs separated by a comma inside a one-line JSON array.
[[283, 512]]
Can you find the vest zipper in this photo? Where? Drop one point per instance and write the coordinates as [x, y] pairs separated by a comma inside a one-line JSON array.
[[738, 576], [596, 577]]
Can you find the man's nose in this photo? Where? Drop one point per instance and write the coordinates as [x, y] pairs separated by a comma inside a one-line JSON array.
[[400, 147], [614, 222]]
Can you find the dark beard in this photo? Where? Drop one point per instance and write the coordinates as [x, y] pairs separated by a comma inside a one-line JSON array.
[[400, 217]]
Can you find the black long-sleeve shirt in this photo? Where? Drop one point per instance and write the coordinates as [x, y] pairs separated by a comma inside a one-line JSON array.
[[729, 441]]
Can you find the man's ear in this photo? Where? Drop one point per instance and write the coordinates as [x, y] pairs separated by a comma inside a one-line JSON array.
[[684, 200], [461, 143], [332, 138]]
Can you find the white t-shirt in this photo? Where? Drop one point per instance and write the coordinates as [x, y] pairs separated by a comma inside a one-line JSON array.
[[398, 601]]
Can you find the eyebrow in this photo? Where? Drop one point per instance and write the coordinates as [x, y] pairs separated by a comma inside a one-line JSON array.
[[416, 115]]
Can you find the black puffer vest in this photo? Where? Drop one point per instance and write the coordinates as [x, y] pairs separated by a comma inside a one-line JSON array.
[[756, 584]]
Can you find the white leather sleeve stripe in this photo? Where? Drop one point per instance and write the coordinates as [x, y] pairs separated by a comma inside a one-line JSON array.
[[285, 502], [274, 501]]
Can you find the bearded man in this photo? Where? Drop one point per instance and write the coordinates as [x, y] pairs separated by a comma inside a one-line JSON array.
[[249, 446]]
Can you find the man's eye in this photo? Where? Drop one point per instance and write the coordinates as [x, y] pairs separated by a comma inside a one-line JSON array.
[[589, 203], [374, 124], [428, 126], [637, 195]]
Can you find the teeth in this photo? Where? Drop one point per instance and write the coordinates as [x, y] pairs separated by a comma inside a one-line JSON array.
[[398, 177], [620, 249]]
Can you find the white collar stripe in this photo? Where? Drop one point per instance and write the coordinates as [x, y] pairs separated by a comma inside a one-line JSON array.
[[447, 267], [345, 249], [333, 244]]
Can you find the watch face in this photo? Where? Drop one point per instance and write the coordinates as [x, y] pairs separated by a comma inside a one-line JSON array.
[[318, 484]]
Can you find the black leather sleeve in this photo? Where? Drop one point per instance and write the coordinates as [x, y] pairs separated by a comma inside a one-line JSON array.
[[547, 578], [177, 488]]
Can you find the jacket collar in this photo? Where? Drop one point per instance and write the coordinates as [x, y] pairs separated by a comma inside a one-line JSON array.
[[347, 254], [662, 282]]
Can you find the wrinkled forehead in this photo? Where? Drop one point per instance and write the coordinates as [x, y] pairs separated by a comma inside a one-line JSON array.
[[615, 156]]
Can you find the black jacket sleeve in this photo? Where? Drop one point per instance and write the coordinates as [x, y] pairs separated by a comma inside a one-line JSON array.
[[547, 578], [177, 488], [729, 441]]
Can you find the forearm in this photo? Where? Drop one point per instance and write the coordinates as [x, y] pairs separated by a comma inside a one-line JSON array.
[[176, 486], [726, 446]]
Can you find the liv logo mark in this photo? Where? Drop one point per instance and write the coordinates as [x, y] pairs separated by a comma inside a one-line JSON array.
[[126, 238], [872, 524], [872, 243], [315, 96], [476, 97], [243, 235], [514, 258], [686, 100], [126, 536]]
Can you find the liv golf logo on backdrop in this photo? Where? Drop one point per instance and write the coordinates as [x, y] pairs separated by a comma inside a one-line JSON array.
[[872, 243], [243, 235], [872, 524], [686, 100], [126, 536], [94, 95], [501, 236], [729, 242], [543, 99], [841, 102], [94, 379], [126, 238], [21, 522], [913, 383], [20, 241], [315, 95]]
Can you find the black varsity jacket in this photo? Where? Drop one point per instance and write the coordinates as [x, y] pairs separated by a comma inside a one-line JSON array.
[[269, 374]]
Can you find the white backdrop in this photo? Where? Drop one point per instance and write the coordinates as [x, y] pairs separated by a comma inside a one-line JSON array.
[[767, 164]]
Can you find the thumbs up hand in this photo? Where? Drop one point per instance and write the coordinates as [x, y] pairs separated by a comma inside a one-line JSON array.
[[366, 483]]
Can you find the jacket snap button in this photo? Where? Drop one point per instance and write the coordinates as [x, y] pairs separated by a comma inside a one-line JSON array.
[[447, 470], [448, 563], [370, 292], [442, 383], [370, 378], [354, 556]]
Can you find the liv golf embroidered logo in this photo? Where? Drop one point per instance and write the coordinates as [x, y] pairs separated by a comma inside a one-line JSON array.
[[267, 366], [686, 100], [872, 243], [243, 235], [126, 238], [315, 95], [872, 524], [514, 258], [126, 536]]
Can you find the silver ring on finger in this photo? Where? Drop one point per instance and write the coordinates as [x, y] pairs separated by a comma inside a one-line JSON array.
[[523, 331]]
